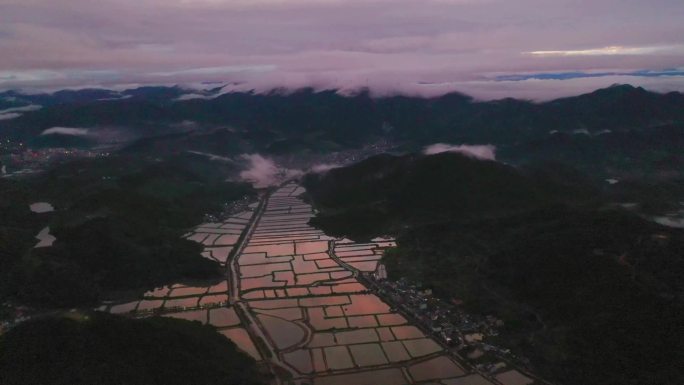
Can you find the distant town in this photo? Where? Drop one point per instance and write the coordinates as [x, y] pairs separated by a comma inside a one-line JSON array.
[[17, 159]]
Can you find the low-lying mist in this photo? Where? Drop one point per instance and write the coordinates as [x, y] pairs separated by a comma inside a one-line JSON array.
[[264, 172], [484, 152]]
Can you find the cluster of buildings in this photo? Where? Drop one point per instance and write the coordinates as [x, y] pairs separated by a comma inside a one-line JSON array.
[[246, 203], [335, 159], [441, 319], [353, 156], [16, 159], [462, 333], [12, 315]]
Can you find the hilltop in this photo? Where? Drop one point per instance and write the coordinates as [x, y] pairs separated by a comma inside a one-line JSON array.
[[391, 190]]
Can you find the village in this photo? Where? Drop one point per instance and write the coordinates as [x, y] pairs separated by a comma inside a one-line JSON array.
[[465, 335]]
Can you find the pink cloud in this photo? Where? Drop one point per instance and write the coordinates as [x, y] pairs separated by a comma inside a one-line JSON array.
[[387, 45], [483, 152]]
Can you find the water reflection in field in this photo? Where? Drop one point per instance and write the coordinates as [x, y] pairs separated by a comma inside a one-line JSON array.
[[220, 238], [298, 293], [436, 368], [243, 341], [323, 324], [197, 315], [223, 317], [206, 302]]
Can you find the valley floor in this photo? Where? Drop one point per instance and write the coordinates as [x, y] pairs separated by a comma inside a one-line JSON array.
[[299, 302]]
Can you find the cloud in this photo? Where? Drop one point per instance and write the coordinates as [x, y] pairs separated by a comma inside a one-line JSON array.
[[31, 107], [15, 112], [323, 167], [263, 172], [217, 70], [213, 157], [9, 115], [541, 90], [484, 152], [390, 46], [122, 97], [66, 131], [578, 75], [614, 50], [193, 97]]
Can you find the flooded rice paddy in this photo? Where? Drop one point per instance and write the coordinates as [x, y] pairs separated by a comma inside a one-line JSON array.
[[319, 321], [293, 300], [219, 239]]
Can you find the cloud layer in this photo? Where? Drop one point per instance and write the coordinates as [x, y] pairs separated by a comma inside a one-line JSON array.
[[484, 152], [15, 112], [423, 47], [263, 172], [71, 131]]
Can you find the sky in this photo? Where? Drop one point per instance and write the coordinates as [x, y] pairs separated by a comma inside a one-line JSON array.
[[532, 49]]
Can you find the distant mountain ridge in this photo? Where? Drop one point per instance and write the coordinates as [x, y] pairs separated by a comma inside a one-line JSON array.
[[617, 132], [347, 120]]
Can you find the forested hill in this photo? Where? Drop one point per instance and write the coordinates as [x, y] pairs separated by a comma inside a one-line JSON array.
[[590, 292], [345, 120], [102, 349], [389, 190], [118, 221]]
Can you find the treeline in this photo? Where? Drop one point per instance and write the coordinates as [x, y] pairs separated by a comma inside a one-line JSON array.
[[387, 191], [98, 348], [327, 116]]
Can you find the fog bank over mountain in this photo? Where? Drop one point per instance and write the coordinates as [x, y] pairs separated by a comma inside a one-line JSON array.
[[264, 172], [382, 85], [66, 131], [486, 152]]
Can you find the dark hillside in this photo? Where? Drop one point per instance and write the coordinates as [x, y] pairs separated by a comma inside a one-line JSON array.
[[109, 350], [349, 121], [118, 224], [591, 297], [589, 293], [394, 190]]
